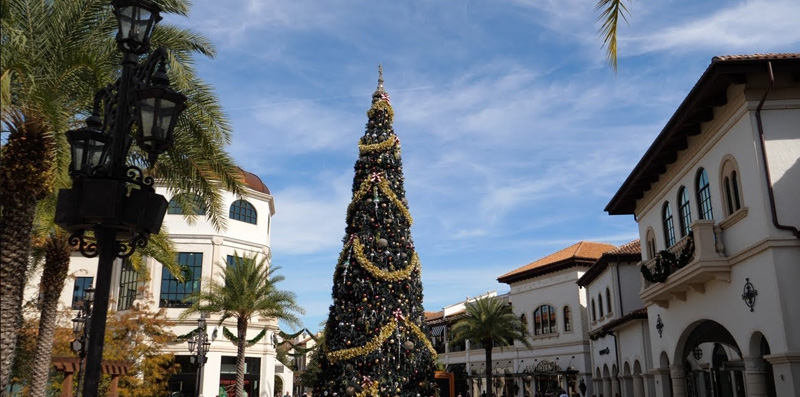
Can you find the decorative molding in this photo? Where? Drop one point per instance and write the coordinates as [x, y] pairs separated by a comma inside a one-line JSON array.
[[755, 365], [733, 218], [783, 358]]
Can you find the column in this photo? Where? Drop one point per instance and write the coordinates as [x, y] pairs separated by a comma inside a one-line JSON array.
[[755, 373], [638, 386], [662, 382], [678, 378], [786, 371], [627, 386], [615, 392], [606, 386]]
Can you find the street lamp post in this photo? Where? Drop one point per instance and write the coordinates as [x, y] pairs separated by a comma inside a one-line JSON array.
[[80, 326], [112, 207], [199, 344]]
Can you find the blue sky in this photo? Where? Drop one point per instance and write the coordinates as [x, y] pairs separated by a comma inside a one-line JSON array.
[[515, 131]]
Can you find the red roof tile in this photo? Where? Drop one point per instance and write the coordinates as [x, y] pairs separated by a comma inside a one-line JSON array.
[[584, 250], [627, 252], [254, 182]]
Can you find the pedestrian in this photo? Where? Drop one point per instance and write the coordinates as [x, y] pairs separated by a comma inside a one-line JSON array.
[[563, 393]]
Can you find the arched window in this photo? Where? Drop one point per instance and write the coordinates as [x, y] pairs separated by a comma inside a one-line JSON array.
[[174, 207], [567, 319], [730, 183], [651, 244], [684, 211], [544, 318], [669, 227], [243, 211], [608, 300], [594, 312], [600, 304], [703, 194]]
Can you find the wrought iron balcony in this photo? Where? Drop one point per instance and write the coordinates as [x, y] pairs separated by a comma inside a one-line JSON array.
[[688, 265]]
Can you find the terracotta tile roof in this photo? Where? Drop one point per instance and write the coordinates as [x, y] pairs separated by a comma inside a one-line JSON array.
[[581, 251], [433, 315], [253, 181], [755, 57], [632, 248], [709, 91], [628, 252]]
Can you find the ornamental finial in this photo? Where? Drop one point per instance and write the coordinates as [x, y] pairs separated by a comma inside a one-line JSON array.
[[380, 78]]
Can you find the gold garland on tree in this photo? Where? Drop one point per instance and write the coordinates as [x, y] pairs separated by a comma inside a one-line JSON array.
[[383, 186], [377, 147], [377, 341], [397, 275], [368, 391]]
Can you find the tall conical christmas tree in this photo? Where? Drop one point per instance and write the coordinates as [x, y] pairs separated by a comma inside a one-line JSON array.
[[375, 343]]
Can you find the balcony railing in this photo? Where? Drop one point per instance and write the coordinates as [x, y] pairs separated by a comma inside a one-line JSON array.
[[688, 265]]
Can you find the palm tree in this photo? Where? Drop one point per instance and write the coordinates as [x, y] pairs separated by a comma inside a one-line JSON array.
[[56, 55], [248, 288], [610, 13], [490, 320], [26, 153]]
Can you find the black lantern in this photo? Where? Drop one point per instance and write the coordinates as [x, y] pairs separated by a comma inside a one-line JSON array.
[[90, 147], [88, 295], [157, 110], [136, 19], [78, 322]]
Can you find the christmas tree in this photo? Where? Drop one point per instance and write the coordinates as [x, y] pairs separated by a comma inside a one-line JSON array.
[[375, 341]]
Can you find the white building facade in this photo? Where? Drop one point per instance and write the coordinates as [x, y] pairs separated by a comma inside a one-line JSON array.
[[546, 298], [201, 250], [717, 201], [618, 327]]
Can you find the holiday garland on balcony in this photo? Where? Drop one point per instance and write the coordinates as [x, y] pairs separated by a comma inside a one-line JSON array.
[[666, 262]]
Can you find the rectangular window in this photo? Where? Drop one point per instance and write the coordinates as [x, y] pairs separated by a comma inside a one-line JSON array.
[[173, 292], [81, 283], [128, 285]]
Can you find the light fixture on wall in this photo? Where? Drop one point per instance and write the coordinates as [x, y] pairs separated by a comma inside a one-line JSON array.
[[604, 351], [749, 294], [659, 326]]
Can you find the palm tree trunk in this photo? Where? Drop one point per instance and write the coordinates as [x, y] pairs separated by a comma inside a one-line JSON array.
[[487, 347], [241, 328], [16, 223], [25, 172], [56, 266]]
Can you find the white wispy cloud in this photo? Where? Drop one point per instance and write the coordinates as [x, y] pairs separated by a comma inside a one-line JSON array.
[[515, 132], [750, 26]]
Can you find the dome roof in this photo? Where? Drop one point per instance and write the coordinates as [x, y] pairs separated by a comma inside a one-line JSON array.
[[254, 182]]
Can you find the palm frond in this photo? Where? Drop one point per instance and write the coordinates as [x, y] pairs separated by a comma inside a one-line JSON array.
[[610, 13]]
